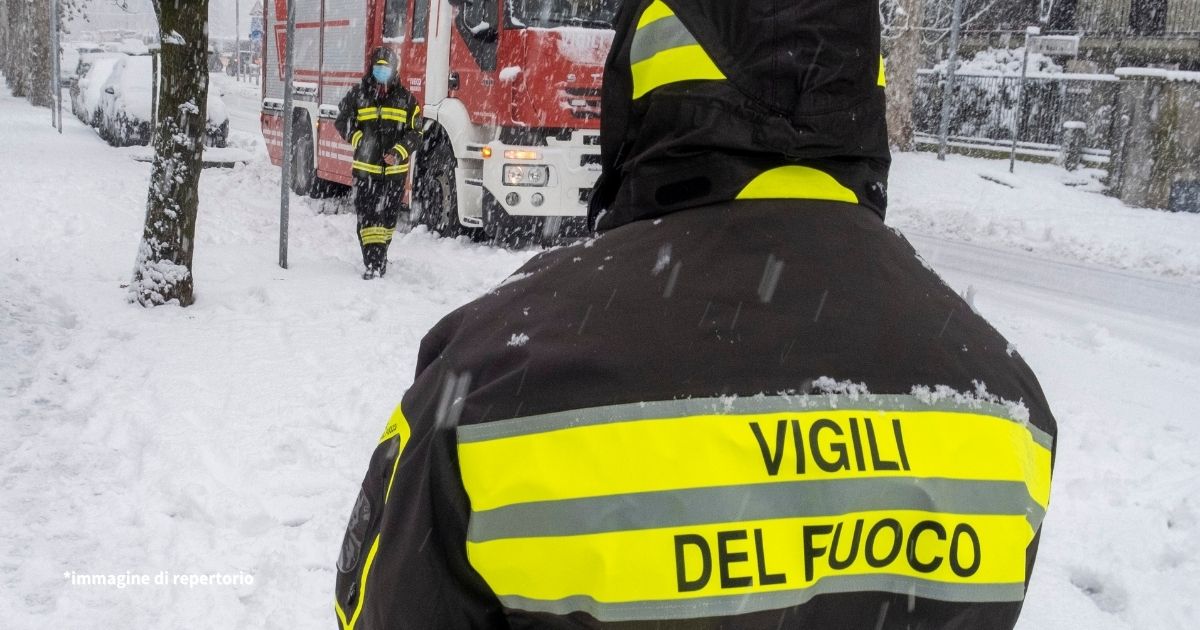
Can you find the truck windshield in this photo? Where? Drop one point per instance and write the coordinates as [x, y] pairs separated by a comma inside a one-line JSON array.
[[552, 13]]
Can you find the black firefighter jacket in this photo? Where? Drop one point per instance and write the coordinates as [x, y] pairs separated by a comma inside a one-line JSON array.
[[754, 410], [378, 122]]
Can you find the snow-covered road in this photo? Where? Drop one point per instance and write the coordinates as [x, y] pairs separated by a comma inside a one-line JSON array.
[[1118, 355], [244, 101], [1162, 313], [230, 437]]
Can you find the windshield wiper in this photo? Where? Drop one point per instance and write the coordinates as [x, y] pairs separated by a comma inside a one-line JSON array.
[[588, 22]]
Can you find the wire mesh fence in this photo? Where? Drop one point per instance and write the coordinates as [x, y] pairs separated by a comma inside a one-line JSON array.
[[983, 109]]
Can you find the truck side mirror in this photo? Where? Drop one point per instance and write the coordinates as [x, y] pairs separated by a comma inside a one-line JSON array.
[[458, 3], [109, 90]]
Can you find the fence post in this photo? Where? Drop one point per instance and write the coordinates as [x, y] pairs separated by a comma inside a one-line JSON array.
[[948, 94], [1072, 146], [1031, 33]]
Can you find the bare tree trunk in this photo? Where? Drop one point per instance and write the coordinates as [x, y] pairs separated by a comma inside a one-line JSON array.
[[17, 48], [6, 41], [163, 272], [41, 66], [903, 60]]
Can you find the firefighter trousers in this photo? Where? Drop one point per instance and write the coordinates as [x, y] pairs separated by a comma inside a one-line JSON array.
[[378, 203]]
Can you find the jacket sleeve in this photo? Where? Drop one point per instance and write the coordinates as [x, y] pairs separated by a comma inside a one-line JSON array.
[[410, 139], [403, 559], [347, 119]]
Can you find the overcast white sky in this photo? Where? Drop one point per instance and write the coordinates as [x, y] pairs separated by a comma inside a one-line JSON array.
[[104, 14]]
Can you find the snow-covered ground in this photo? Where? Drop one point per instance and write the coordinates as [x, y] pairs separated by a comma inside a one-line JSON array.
[[1043, 209], [230, 437]]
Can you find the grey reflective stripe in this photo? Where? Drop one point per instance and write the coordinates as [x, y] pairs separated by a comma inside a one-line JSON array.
[[727, 504], [725, 605], [669, 409], [657, 36]]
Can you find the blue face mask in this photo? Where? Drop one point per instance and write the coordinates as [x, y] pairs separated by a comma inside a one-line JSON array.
[[382, 74]]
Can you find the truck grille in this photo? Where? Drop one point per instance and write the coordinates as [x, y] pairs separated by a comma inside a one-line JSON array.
[[583, 103]]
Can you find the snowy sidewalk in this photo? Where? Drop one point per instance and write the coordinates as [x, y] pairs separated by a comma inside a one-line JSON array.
[[231, 437], [228, 437]]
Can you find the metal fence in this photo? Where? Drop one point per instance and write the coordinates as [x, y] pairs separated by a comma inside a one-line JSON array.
[[983, 109]]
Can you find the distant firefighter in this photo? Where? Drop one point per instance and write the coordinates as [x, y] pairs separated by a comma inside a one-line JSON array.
[[382, 120]]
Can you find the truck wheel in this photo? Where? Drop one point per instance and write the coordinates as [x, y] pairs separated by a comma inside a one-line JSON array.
[[435, 191], [304, 173]]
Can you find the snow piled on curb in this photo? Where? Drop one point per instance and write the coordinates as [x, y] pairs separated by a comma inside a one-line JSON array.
[[1041, 209]]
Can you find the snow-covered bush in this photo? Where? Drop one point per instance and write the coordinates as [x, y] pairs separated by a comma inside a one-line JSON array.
[[985, 91], [1002, 62]]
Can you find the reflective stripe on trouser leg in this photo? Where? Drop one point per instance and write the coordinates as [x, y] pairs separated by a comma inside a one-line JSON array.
[[375, 235], [377, 202]]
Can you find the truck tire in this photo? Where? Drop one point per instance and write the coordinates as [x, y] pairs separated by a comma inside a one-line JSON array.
[[304, 172], [435, 194]]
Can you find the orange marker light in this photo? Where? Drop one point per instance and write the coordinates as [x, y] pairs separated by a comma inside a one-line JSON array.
[[513, 154], [487, 152]]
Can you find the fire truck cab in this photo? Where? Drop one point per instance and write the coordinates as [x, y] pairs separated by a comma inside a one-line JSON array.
[[510, 92]]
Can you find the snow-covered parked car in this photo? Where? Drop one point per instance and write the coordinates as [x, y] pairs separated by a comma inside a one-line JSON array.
[[93, 71], [72, 54], [126, 100]]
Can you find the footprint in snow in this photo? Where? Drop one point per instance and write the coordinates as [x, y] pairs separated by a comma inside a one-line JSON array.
[[1103, 590]]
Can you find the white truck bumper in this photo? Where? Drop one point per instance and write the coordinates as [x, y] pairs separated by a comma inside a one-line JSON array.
[[573, 167]]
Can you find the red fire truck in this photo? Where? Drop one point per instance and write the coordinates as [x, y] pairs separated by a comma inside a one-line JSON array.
[[510, 91]]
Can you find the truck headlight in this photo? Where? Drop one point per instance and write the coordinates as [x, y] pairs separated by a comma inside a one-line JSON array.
[[526, 175]]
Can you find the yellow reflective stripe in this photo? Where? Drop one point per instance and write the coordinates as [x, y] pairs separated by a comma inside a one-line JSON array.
[[356, 138], [416, 112], [797, 182], [778, 555], [881, 81], [393, 170], [337, 606], [644, 455], [392, 113], [685, 63], [397, 426], [402, 151], [656, 11], [369, 168], [375, 235]]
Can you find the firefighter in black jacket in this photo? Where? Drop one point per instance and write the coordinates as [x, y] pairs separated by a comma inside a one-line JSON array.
[[382, 121], [747, 404]]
